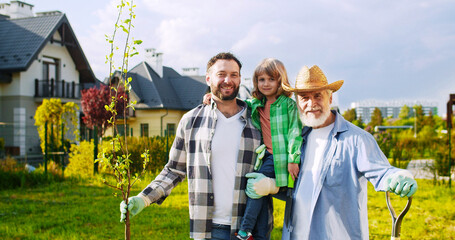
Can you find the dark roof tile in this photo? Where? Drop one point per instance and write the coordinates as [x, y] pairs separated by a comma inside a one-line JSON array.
[[21, 38], [172, 91]]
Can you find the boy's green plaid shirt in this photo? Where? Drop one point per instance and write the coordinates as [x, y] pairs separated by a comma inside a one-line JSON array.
[[286, 130]]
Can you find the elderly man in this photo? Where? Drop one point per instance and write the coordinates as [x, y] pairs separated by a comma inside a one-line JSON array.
[[330, 197], [214, 147]]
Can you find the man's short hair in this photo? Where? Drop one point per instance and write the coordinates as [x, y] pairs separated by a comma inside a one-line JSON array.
[[223, 56]]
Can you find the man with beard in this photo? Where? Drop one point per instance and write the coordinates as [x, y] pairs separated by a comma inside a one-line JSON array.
[[337, 159], [214, 147]]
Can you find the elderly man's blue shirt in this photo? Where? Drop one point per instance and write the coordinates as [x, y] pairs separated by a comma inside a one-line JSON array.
[[352, 157]]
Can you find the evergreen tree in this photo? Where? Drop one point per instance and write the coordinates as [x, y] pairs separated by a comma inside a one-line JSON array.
[[350, 115], [404, 112], [420, 117], [430, 120], [359, 123], [376, 118]]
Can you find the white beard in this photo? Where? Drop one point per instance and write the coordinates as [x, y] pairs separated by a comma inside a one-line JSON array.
[[311, 121]]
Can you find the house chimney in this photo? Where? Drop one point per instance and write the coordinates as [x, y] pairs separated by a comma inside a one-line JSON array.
[[16, 9], [194, 71], [155, 60], [48, 13]]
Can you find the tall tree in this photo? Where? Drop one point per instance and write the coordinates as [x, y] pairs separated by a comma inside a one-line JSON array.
[[117, 157], [93, 102], [350, 115], [376, 118], [359, 123], [404, 112], [54, 113], [430, 120], [420, 117]]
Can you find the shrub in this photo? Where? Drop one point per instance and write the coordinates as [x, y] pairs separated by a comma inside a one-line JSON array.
[[157, 149], [136, 146], [441, 161], [10, 164], [53, 168], [81, 156], [81, 160], [14, 175]]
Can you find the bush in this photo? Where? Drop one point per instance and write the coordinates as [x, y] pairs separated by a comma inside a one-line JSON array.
[[25, 179], [81, 160], [81, 156], [157, 149], [14, 175], [441, 161], [10, 164]]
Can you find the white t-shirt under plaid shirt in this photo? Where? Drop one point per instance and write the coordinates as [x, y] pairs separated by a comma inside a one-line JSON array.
[[191, 156], [225, 148]]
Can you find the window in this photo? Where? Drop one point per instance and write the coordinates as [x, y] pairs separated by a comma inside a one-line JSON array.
[[144, 129], [50, 76], [51, 68], [171, 129], [121, 129]]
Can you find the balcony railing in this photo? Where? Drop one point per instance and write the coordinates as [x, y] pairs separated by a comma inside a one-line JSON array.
[[60, 89]]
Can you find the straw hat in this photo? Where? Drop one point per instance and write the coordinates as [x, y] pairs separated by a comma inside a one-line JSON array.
[[311, 79]]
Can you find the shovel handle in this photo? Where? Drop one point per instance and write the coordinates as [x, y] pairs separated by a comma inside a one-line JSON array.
[[396, 220]]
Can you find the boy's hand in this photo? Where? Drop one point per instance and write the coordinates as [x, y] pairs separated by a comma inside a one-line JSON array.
[[206, 99], [293, 169]]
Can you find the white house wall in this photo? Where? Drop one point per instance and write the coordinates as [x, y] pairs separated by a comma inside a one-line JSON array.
[[67, 66], [13, 88], [23, 83], [17, 102]]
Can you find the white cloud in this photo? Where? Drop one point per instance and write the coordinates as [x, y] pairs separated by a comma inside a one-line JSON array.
[[378, 48]]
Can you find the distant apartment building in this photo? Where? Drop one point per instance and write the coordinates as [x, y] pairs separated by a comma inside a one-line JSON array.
[[364, 109]]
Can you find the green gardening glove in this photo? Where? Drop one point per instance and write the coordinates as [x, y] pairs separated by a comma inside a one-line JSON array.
[[259, 185], [261, 152], [401, 183], [135, 206]]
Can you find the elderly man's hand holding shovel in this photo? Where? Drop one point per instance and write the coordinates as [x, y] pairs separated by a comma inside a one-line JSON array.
[[401, 183]]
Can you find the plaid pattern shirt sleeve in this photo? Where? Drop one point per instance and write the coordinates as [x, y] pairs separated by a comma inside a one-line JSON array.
[[294, 132], [286, 140], [190, 156], [174, 171]]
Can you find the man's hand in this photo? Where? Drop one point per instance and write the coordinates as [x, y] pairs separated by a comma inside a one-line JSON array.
[[135, 206], [401, 183], [259, 185], [293, 169]]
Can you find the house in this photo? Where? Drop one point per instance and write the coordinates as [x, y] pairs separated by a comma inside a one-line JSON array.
[[40, 57], [162, 95]]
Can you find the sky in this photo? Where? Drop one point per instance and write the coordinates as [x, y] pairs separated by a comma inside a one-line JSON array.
[[384, 50]]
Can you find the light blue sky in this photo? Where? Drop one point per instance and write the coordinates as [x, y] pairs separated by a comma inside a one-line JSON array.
[[384, 50]]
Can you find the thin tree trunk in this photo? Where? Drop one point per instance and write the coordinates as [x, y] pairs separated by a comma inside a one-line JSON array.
[[127, 226]]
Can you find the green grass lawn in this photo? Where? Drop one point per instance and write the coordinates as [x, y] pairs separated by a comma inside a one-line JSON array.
[[74, 210]]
